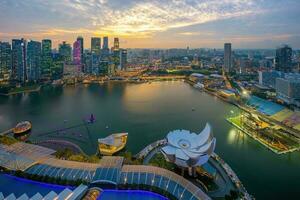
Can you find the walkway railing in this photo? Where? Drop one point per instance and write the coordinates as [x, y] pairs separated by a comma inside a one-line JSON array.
[[144, 152], [234, 178]]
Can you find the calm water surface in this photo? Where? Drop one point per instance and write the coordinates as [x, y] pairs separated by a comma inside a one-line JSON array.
[[148, 112]]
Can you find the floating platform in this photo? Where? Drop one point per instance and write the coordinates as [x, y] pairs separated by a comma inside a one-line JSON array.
[[112, 143], [22, 127]]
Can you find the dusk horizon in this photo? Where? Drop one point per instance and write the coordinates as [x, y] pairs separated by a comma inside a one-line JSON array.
[[149, 99], [247, 24]]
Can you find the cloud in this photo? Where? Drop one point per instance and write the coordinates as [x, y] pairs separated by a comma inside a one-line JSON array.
[[137, 18]]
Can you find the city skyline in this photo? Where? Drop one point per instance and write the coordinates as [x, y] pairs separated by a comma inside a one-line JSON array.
[[155, 24]]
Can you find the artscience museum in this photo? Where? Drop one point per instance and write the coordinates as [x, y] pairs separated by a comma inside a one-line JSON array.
[[188, 149]]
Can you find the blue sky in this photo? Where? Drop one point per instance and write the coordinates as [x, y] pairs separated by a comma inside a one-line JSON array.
[[156, 23]]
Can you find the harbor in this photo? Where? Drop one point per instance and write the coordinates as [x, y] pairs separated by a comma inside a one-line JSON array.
[[121, 111]]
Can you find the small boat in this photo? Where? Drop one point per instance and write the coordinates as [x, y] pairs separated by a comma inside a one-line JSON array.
[[199, 86], [22, 127], [112, 143]]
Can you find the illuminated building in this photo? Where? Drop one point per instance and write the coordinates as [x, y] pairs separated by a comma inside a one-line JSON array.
[[5, 60], [227, 57], [19, 60], [123, 59], [65, 51], [95, 45], [288, 89], [116, 44], [105, 48], [80, 40], [77, 53], [283, 59], [46, 59], [187, 149], [113, 143], [33, 60]]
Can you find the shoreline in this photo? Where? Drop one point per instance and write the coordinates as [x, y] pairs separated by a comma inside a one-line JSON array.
[[261, 142], [151, 148], [291, 131], [22, 91]]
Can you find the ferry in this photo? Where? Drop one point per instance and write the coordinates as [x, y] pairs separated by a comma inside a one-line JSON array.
[[112, 143], [22, 127]]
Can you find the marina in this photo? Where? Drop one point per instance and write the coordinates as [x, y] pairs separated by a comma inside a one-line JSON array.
[[121, 110]]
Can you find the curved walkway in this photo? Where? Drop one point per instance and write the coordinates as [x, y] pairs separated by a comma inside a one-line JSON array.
[[56, 144], [144, 152]]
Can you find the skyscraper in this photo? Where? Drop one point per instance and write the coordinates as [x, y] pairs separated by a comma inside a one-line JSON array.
[[77, 53], [123, 59], [33, 60], [46, 59], [105, 42], [19, 60], [80, 40], [227, 57], [96, 45], [116, 44], [5, 60], [65, 51], [105, 49], [283, 59]]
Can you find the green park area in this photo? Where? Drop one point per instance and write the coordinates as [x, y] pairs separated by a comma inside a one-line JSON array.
[[9, 90], [68, 154], [7, 140]]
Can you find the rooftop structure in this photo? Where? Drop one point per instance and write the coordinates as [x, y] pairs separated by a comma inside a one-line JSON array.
[[263, 106], [110, 170], [112, 143], [161, 178], [66, 194], [187, 149]]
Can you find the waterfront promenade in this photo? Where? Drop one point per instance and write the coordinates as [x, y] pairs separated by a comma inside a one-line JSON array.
[[223, 168]]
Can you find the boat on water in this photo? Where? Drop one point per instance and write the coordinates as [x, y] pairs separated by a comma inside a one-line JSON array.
[[112, 143], [199, 86], [22, 127]]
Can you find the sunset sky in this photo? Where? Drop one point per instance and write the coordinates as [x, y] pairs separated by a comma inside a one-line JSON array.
[[155, 23]]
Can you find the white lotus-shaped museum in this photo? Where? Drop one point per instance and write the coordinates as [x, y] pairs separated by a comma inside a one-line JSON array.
[[187, 149]]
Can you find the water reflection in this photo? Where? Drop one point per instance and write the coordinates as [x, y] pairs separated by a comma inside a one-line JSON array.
[[236, 137]]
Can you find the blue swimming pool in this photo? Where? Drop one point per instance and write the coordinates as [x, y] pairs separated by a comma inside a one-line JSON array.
[[130, 195], [11, 184]]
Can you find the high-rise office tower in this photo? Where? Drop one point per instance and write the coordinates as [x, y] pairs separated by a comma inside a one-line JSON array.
[[116, 44], [77, 53], [283, 59], [80, 40], [105, 48], [5, 60], [123, 59], [19, 60], [65, 51], [33, 60], [95, 45], [105, 42], [227, 57], [46, 59]]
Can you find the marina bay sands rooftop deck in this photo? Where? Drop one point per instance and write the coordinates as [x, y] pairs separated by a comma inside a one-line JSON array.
[[109, 170]]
